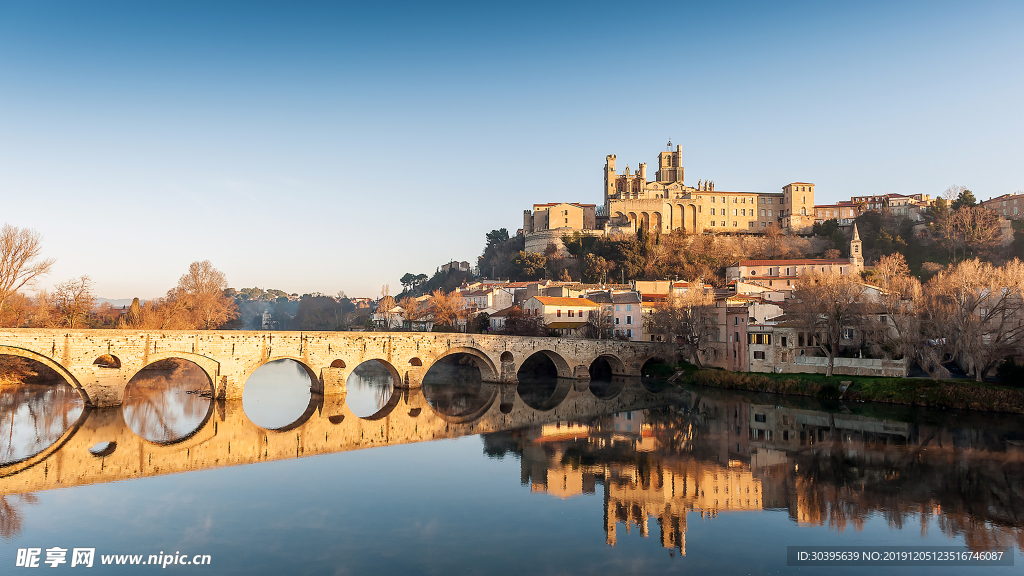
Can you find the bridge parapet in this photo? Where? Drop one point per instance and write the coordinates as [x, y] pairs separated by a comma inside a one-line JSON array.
[[100, 363]]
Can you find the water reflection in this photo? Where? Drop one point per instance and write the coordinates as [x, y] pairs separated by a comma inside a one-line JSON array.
[[457, 392], [278, 395], [543, 393], [606, 388], [167, 401], [34, 416], [369, 389], [642, 463], [12, 517], [835, 470]]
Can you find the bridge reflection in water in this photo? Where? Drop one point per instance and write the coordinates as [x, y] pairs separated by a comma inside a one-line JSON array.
[[655, 456], [171, 425]]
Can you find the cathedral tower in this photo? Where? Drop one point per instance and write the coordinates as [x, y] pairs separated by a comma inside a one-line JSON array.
[[609, 177], [670, 165]]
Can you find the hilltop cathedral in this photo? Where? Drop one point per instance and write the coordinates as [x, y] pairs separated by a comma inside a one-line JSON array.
[[666, 203]]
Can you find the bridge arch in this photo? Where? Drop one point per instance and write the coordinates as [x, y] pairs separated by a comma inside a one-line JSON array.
[[314, 378], [49, 363], [396, 391], [210, 366], [18, 466], [562, 367], [315, 397], [395, 374], [645, 362], [138, 406], [108, 361], [488, 372], [615, 366]]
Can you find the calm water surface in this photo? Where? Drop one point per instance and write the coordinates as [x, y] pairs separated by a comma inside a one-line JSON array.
[[549, 477]]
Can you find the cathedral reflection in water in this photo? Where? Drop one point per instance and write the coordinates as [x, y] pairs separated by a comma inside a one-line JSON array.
[[822, 468]]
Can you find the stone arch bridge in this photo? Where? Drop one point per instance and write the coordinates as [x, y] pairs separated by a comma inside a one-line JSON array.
[[100, 363]]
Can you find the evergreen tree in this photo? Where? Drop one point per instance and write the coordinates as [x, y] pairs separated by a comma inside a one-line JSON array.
[[966, 198]]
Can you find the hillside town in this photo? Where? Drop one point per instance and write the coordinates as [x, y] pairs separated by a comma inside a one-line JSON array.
[[803, 292], [744, 325]]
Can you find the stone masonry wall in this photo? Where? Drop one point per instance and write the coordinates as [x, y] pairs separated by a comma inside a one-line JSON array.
[[230, 357]]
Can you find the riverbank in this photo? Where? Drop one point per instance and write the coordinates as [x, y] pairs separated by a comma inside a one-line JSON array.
[[15, 371], [953, 394]]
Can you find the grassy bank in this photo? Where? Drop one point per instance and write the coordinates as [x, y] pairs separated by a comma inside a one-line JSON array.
[[955, 394]]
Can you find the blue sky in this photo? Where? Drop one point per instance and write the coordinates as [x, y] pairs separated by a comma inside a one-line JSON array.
[[332, 146]]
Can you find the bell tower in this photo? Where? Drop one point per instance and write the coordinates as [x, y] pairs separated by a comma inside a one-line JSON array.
[[670, 165], [856, 250]]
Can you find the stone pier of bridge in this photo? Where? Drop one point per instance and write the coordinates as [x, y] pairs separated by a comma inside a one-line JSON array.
[[100, 363]]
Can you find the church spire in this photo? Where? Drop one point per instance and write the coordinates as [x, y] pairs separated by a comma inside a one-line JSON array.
[[856, 252]]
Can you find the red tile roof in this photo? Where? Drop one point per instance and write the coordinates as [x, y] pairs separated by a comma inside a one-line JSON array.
[[566, 324], [502, 313], [808, 262], [555, 301]]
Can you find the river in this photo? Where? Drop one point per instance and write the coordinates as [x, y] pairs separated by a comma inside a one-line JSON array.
[[549, 477]]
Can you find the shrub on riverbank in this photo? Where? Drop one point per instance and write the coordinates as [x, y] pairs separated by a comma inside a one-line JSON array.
[[15, 371], [765, 383], [659, 370], [957, 394]]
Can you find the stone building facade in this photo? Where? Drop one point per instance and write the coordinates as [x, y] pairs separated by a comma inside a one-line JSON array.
[[782, 274], [555, 215], [1009, 206], [546, 223], [667, 203]]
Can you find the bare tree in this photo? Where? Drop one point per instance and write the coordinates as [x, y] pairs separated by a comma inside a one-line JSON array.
[[519, 322], [975, 312], [16, 312], [688, 319], [896, 330], [386, 307], [20, 261], [978, 228], [72, 301], [826, 304], [947, 229], [968, 228], [772, 241], [411, 309], [953, 192], [445, 307], [39, 313], [201, 291]]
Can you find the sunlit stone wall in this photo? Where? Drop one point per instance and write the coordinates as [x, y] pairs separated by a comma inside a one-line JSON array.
[[229, 357]]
